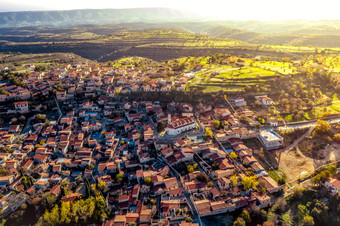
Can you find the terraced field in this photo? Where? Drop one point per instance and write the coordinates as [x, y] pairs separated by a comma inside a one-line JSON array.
[[229, 78]]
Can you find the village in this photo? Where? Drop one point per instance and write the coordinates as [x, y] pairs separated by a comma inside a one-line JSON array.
[[69, 132]]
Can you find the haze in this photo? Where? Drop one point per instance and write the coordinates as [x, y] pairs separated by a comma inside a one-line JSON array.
[[214, 9]]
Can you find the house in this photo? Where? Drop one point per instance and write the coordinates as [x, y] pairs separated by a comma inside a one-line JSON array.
[[14, 129], [333, 185], [120, 220], [56, 190], [271, 185], [224, 183], [239, 102], [27, 165], [257, 168], [217, 174], [145, 215], [132, 217], [214, 193], [221, 112], [188, 153], [185, 107], [21, 107], [184, 223], [195, 186], [265, 100], [160, 144], [5, 180], [71, 197], [246, 160], [42, 184], [270, 140], [41, 158], [203, 207], [273, 122], [61, 96], [157, 180], [219, 207], [262, 199], [180, 125], [240, 63], [169, 207]]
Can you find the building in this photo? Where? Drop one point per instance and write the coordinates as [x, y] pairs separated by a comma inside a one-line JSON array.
[[270, 184], [333, 185], [265, 100], [180, 125], [21, 107], [270, 140]]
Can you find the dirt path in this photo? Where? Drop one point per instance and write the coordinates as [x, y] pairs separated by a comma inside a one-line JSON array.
[[293, 163], [297, 166], [296, 142]]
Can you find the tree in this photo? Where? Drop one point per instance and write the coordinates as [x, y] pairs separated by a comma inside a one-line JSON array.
[[215, 166], [52, 218], [202, 177], [322, 127], [280, 205], [102, 185], [216, 124], [99, 210], [119, 178], [65, 210], [249, 182], [308, 221], [188, 219], [233, 155], [148, 180], [234, 179], [302, 212], [161, 126], [39, 68], [245, 216], [85, 209], [48, 201], [264, 215], [337, 137], [190, 168], [2, 91], [4, 171], [239, 222], [208, 133], [298, 193]]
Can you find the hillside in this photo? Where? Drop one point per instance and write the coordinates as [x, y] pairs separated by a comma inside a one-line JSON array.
[[156, 44], [66, 18], [14, 59]]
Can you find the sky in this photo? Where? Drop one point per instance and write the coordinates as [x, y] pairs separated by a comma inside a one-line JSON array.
[[215, 9]]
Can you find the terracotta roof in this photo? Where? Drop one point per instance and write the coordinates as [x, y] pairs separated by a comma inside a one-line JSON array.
[[334, 182], [203, 206], [218, 205]]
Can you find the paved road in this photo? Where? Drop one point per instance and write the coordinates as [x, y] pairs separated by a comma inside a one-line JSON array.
[[304, 124], [28, 126]]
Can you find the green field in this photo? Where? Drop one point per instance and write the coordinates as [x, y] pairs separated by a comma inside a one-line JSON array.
[[230, 78]]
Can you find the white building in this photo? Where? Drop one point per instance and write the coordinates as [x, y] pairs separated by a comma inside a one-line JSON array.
[[180, 125], [21, 107], [265, 100], [333, 185], [270, 140]]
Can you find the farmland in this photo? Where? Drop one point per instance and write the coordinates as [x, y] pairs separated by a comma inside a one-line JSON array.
[[231, 78]]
